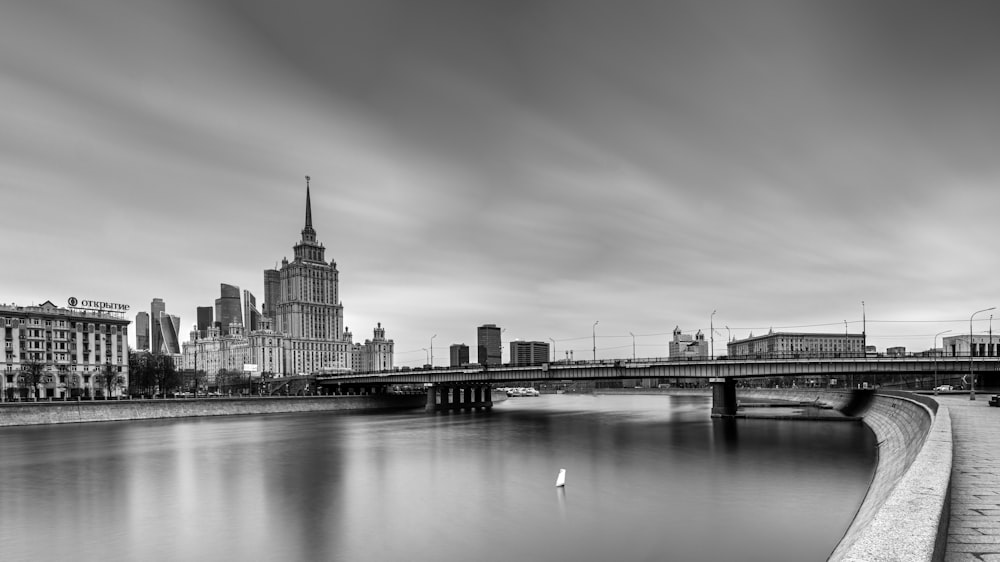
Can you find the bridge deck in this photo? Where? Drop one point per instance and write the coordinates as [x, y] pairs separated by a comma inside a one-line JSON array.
[[659, 368]]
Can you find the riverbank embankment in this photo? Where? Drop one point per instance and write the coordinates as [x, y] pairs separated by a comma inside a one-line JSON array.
[[904, 515], [39, 413]]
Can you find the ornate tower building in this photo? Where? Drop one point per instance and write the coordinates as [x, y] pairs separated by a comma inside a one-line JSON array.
[[308, 310]]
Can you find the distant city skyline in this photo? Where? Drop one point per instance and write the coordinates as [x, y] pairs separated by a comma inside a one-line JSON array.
[[538, 166]]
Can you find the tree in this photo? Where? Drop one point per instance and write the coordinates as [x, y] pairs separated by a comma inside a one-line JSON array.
[[32, 375], [109, 379], [140, 366], [164, 373]]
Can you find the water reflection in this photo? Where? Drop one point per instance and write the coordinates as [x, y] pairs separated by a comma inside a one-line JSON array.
[[652, 478]]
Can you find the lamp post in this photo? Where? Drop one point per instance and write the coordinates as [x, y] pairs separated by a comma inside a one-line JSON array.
[[633, 345], [711, 335], [553, 349], [972, 374], [864, 336], [934, 350], [432, 350], [593, 334]]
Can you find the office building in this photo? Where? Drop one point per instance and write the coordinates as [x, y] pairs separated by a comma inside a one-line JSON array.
[[227, 307], [459, 353], [75, 348], [142, 331], [250, 312], [489, 344], [686, 346], [155, 309], [206, 319], [526, 353], [798, 345], [169, 327], [272, 292]]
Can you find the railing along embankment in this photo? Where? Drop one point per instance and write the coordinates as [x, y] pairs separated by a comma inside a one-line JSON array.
[[904, 515]]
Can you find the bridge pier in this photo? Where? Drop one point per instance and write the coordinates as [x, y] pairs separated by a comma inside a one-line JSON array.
[[723, 396], [460, 397]]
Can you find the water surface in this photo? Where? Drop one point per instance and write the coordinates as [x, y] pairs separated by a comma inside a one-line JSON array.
[[648, 478]]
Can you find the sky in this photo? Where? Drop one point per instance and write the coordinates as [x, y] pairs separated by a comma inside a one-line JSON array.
[[822, 166]]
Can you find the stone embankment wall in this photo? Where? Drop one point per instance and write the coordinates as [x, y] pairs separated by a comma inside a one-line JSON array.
[[36, 413], [904, 515]]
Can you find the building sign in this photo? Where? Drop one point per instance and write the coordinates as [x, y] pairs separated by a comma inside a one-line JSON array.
[[97, 305]]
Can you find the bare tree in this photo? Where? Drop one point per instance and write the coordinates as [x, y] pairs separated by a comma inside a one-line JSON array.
[[32, 375], [164, 373], [109, 379]]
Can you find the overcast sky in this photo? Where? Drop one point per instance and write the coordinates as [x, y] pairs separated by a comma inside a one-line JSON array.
[[540, 165]]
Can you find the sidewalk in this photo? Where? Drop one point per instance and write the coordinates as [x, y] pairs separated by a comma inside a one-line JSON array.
[[974, 531]]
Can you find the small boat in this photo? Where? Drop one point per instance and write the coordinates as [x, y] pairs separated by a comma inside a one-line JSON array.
[[561, 479]]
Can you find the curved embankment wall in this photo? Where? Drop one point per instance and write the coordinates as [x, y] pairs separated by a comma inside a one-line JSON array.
[[904, 515], [38, 413]]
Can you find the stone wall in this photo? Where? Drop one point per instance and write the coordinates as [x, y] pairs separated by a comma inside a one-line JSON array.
[[36, 413], [904, 515]]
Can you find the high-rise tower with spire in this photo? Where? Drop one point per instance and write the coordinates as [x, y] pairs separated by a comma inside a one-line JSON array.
[[308, 309]]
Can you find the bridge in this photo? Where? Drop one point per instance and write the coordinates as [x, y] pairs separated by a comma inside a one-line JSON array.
[[458, 387]]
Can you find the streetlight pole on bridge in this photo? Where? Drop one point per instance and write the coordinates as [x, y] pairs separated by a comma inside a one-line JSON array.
[[972, 374], [711, 335], [432, 351], [633, 345], [593, 334], [934, 351]]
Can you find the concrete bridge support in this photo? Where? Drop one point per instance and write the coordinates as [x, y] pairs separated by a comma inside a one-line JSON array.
[[723, 396], [469, 396]]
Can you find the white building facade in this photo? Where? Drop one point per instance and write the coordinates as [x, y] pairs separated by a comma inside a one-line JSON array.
[[74, 347]]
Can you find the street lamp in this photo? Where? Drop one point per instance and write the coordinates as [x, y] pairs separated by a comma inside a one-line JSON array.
[[633, 345], [864, 335], [711, 334], [432, 350], [593, 334], [934, 350], [972, 374], [553, 349]]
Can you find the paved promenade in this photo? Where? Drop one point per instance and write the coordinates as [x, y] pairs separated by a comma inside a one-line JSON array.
[[974, 532]]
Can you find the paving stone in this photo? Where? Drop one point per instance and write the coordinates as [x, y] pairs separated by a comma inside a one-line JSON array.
[[975, 497]]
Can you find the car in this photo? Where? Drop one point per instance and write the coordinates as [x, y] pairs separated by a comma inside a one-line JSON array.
[[943, 387], [995, 400]]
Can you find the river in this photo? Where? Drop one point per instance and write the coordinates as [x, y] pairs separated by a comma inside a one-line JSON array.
[[648, 478]]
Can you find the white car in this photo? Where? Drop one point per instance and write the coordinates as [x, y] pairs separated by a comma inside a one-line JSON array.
[[944, 387]]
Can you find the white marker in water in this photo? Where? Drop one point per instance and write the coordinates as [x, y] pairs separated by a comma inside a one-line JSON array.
[[561, 479]]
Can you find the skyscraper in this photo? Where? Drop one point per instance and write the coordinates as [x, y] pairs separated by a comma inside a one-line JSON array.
[[227, 307], [169, 326], [459, 353], [308, 310], [250, 312], [205, 319], [156, 308], [142, 331], [488, 339], [272, 290]]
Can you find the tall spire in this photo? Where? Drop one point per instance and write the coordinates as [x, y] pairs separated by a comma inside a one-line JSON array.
[[309, 215], [308, 234]]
